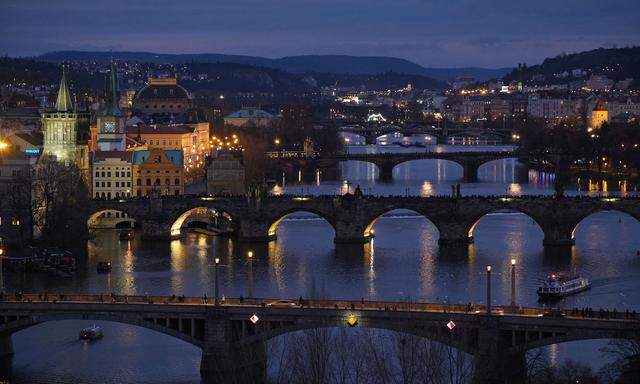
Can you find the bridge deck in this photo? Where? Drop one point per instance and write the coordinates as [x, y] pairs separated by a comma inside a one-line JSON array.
[[8, 302]]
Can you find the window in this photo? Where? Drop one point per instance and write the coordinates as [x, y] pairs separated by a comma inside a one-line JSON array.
[[128, 174], [167, 182], [97, 184], [177, 181], [157, 182], [138, 182], [102, 174], [117, 184], [108, 174], [108, 195], [148, 181], [128, 183], [117, 174]]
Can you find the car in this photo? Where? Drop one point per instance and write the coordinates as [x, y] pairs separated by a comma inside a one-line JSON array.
[[554, 312], [283, 304]]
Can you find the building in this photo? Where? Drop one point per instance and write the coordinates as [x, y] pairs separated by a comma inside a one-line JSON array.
[[157, 171], [66, 130], [599, 115], [191, 139], [225, 174], [553, 108], [248, 117], [110, 134], [111, 174], [15, 206], [162, 97], [30, 144]]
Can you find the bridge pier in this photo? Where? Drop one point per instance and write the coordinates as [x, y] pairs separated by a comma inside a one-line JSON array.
[[555, 237], [470, 171], [371, 139], [225, 359], [6, 346], [454, 233], [386, 171], [492, 364]]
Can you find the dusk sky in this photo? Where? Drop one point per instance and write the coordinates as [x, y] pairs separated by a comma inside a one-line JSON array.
[[433, 33]]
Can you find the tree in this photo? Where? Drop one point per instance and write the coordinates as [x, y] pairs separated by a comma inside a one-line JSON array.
[[59, 197]]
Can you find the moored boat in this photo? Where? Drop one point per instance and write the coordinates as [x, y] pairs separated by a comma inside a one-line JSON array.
[[104, 266]]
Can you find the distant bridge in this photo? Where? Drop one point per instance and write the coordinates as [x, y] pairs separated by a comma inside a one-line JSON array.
[[233, 346], [386, 162], [353, 218], [374, 132]]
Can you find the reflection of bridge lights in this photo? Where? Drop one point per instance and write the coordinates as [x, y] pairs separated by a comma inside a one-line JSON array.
[[352, 320], [254, 318]]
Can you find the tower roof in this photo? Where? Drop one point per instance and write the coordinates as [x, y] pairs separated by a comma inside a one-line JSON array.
[[600, 106], [63, 102], [111, 107]]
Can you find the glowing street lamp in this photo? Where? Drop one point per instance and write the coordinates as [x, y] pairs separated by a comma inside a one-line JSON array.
[[216, 300], [488, 290], [250, 256], [513, 283]]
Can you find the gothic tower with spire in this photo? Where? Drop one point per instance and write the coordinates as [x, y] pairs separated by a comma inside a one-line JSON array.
[[110, 120], [61, 129]]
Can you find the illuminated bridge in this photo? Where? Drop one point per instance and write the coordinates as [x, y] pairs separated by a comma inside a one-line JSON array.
[[232, 336], [469, 161], [353, 218]]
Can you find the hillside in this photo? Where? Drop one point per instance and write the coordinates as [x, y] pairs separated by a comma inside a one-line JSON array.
[[338, 64], [616, 63]]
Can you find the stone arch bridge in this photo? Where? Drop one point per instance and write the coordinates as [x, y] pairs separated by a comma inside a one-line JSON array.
[[352, 218], [386, 162], [233, 345]]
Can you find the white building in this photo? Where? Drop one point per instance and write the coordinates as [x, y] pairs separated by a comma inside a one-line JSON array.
[[111, 174]]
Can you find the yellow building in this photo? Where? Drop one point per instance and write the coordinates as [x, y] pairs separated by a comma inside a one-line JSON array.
[[599, 115], [159, 171]]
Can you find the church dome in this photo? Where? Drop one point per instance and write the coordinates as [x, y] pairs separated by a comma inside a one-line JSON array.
[[162, 89]]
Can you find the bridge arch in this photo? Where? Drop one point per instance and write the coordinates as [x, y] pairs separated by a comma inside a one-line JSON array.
[[110, 218], [194, 335], [203, 213], [477, 219], [274, 222], [501, 175], [436, 333], [437, 171], [589, 214], [368, 231]]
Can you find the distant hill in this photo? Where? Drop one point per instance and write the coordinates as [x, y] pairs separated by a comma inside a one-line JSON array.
[[337, 64], [615, 63]]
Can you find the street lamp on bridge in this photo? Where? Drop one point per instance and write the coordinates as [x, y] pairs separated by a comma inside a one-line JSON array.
[[488, 290], [513, 283], [250, 290], [216, 300]]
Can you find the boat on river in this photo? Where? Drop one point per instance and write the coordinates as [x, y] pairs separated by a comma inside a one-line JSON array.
[[93, 332], [558, 285]]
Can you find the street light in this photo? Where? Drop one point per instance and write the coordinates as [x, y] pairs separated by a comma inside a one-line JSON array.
[[513, 283], [250, 256], [488, 290], [216, 300]]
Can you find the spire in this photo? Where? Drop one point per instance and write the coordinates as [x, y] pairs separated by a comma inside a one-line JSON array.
[[63, 103], [112, 94]]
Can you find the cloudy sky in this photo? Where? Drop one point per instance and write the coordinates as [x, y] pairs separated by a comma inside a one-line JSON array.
[[434, 33]]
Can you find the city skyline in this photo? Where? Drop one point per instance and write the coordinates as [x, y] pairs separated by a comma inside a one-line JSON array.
[[457, 33]]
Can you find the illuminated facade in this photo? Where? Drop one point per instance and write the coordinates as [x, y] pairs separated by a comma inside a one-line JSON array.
[[65, 130], [599, 115], [111, 174], [157, 171], [162, 96]]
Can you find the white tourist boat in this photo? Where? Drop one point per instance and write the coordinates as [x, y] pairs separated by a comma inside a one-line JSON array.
[[559, 285]]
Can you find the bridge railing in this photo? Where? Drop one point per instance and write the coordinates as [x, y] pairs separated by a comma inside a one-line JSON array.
[[355, 305]]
